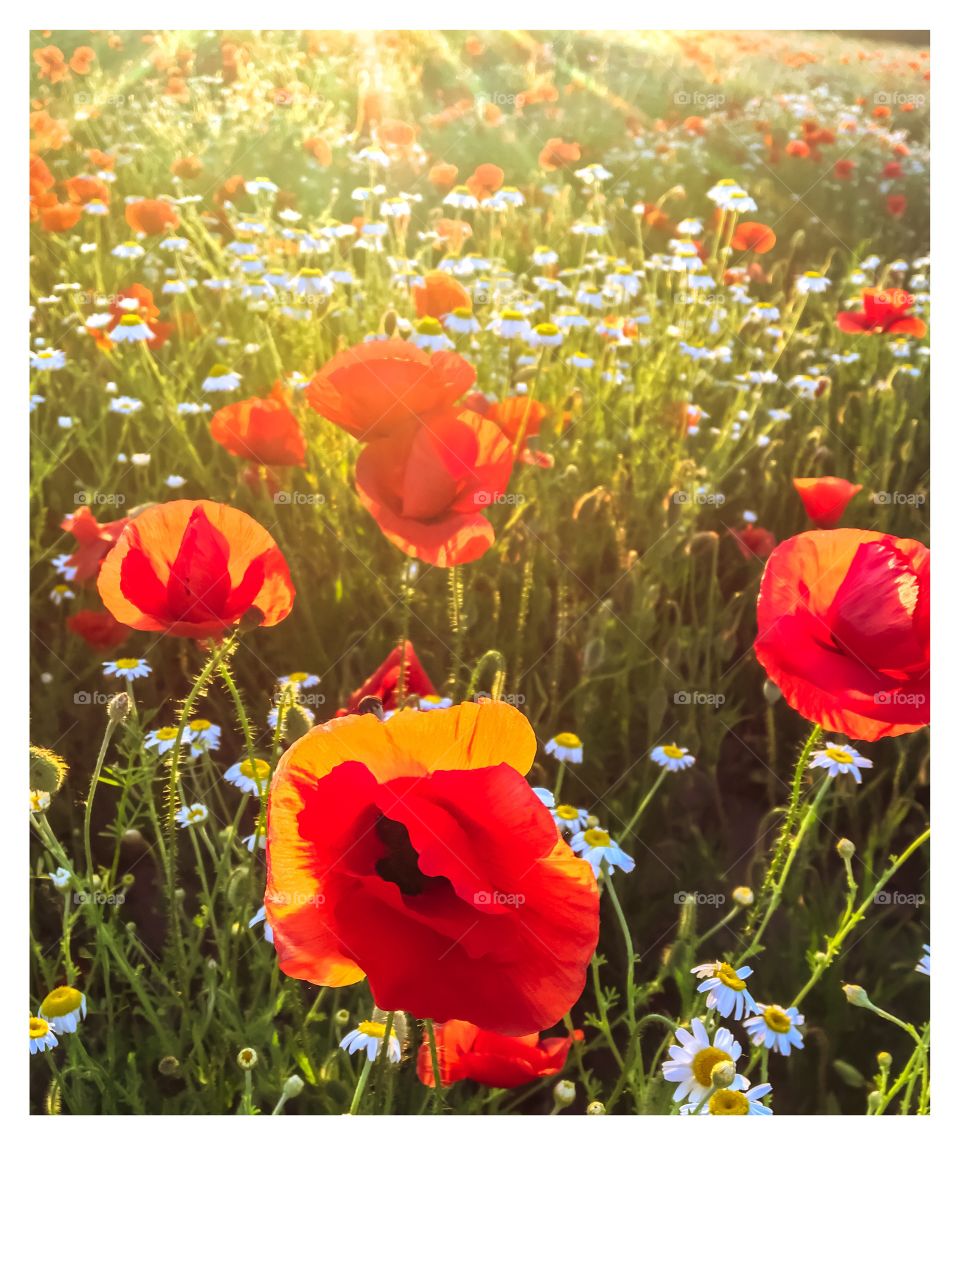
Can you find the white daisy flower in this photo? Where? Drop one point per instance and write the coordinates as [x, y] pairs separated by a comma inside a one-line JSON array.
[[434, 702], [734, 1102], [672, 758], [204, 736], [775, 1028], [923, 964], [368, 1037], [61, 877], [544, 796], [693, 1059], [569, 818], [128, 668], [261, 918], [220, 378], [251, 776], [131, 329], [726, 988], [41, 1036], [48, 359], [597, 846], [811, 282], [161, 740], [836, 758], [63, 1009], [566, 747], [191, 815], [39, 800]]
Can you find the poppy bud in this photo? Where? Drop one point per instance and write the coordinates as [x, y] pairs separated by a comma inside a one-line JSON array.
[[370, 706], [237, 884], [296, 723], [292, 1088], [771, 693], [874, 1099], [564, 1092], [119, 708], [884, 1060], [47, 770], [857, 996], [723, 1075], [388, 325]]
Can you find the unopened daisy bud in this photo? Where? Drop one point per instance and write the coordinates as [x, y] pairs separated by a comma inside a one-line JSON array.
[[596, 1109], [846, 849], [119, 708], [168, 1065], [874, 1099], [247, 1059], [48, 771], [564, 1092], [884, 1060], [342, 1017], [742, 895], [771, 692], [292, 1088], [856, 995], [723, 1075]]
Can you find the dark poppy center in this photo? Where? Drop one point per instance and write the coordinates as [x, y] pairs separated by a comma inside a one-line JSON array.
[[399, 864]]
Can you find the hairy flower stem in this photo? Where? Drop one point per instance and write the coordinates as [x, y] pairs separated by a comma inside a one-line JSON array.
[[435, 1064]]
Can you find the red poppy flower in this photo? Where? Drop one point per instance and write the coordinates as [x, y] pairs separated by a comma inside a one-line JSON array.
[[520, 419], [753, 237], [884, 311], [82, 59], [753, 541], [439, 294], [896, 204], [385, 681], [466, 1052], [843, 169], [94, 540], [195, 569], [843, 622], [485, 180], [414, 853], [427, 490], [98, 628], [151, 216], [60, 217], [376, 388], [263, 430], [83, 189], [825, 498], [557, 154], [442, 176]]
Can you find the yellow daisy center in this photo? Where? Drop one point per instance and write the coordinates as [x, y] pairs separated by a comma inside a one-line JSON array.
[[728, 976], [597, 838], [38, 1028], [128, 664], [674, 752], [839, 754], [200, 726], [704, 1062], [429, 325], [567, 740], [218, 371], [60, 1001], [728, 1102], [259, 770], [547, 330], [567, 813], [130, 321], [376, 1029], [776, 1018], [167, 734]]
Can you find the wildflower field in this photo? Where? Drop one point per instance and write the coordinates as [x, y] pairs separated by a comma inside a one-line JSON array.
[[479, 573]]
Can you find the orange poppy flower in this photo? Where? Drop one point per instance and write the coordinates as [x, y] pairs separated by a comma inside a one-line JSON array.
[[82, 189], [427, 491], [195, 569], [52, 64], [41, 179], [443, 176], [263, 430], [485, 180], [100, 159], [467, 1052], [99, 629], [753, 237], [186, 167], [152, 217], [825, 498], [377, 388], [439, 294], [414, 853], [557, 154], [94, 540], [60, 217], [82, 59], [319, 148]]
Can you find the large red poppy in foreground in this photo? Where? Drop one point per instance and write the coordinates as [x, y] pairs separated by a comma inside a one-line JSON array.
[[413, 852], [377, 388], [466, 1052], [195, 569], [427, 491], [843, 623]]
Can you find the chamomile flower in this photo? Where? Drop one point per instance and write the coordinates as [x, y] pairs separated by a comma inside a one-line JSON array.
[[544, 796], [128, 668], [61, 593], [161, 740], [923, 964], [812, 282], [204, 736], [125, 405], [836, 758], [726, 988], [48, 359], [302, 679], [569, 818], [64, 1009], [191, 815], [734, 1102], [428, 335], [220, 378], [693, 1059], [131, 329], [433, 702], [41, 1036], [39, 800], [775, 1028], [672, 758], [367, 1038], [60, 878], [597, 846], [566, 747], [250, 776], [261, 918]]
